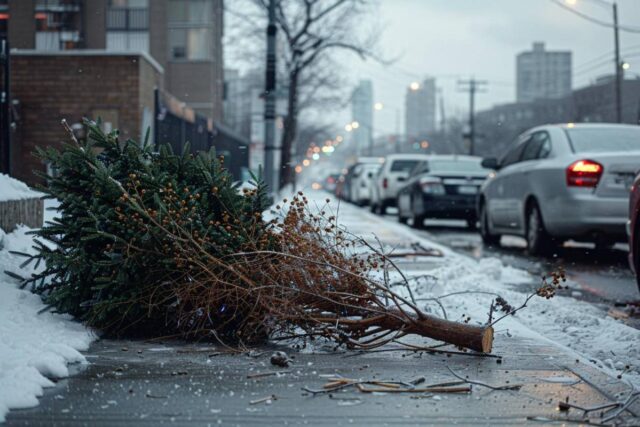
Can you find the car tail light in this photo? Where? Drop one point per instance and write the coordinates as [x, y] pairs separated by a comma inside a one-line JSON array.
[[385, 183], [331, 180], [584, 173], [432, 186]]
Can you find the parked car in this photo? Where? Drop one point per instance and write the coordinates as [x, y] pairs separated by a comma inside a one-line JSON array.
[[330, 182], [443, 187], [348, 190], [362, 180], [560, 182], [390, 178], [339, 191], [633, 228]]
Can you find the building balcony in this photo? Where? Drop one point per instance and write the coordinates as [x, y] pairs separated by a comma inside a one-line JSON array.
[[124, 19]]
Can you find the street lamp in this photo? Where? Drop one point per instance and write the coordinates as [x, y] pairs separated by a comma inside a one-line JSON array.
[[355, 125], [414, 86], [348, 127], [378, 106]]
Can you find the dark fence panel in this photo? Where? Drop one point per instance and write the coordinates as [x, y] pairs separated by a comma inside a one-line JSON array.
[[172, 127]]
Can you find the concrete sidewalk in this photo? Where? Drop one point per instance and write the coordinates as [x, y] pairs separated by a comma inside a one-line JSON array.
[[152, 383], [138, 383]]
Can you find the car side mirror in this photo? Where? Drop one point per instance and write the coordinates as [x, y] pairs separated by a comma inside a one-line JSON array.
[[490, 163]]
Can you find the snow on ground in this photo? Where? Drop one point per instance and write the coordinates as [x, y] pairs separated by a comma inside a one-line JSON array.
[[579, 327], [33, 347], [12, 189]]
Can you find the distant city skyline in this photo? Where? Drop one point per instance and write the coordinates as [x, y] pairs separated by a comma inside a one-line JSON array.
[[453, 40], [456, 40]]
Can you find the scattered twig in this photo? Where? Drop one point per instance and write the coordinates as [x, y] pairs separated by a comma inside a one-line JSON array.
[[502, 387], [266, 374], [633, 397], [263, 399], [461, 389], [153, 396]]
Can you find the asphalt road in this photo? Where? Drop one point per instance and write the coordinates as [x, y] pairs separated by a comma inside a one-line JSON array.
[[602, 278]]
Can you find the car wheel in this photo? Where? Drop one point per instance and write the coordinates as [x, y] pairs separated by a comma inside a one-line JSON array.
[[373, 208], [604, 245], [382, 209], [418, 222], [538, 240], [488, 238], [472, 223]]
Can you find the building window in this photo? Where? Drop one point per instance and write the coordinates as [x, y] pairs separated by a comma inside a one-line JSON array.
[[58, 24], [128, 25], [190, 29]]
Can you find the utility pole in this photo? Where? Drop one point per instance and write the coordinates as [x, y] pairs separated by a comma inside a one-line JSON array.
[[5, 107], [472, 86], [398, 137], [618, 64], [270, 174]]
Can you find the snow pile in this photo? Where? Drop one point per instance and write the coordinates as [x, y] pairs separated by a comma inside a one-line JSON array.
[[580, 328], [12, 189], [32, 346]]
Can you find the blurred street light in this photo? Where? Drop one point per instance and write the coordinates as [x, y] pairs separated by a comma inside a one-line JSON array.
[[348, 128], [378, 106], [355, 125], [306, 162], [298, 169], [626, 66], [315, 156], [414, 86]]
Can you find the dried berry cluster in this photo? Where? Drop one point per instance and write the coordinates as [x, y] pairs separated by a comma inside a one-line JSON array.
[[550, 285]]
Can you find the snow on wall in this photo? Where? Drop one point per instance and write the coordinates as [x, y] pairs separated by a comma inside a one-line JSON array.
[[12, 189]]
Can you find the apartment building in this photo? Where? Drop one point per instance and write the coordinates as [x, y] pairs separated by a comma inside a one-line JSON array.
[[183, 36]]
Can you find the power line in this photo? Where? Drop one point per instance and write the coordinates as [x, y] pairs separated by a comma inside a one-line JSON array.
[[595, 20]]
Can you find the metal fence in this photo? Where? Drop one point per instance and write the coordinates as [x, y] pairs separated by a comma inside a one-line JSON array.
[[176, 124]]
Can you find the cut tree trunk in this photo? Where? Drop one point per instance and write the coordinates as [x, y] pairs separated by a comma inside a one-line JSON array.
[[477, 338]]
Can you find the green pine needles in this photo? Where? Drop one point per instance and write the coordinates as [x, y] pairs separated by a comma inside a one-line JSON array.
[[125, 214]]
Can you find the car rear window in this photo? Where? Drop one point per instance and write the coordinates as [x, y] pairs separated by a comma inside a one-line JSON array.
[[403, 165], [602, 140], [456, 165]]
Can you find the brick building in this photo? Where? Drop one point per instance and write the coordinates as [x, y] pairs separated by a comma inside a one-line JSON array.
[[105, 59], [118, 88], [183, 36]]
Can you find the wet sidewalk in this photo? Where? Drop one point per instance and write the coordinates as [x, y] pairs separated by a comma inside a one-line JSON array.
[[138, 383]]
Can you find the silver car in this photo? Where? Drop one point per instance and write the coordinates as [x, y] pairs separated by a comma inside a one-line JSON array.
[[561, 182]]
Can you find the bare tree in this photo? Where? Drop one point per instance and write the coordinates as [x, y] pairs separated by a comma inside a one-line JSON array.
[[314, 30]]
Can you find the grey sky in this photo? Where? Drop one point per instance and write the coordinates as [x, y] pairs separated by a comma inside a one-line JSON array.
[[449, 39]]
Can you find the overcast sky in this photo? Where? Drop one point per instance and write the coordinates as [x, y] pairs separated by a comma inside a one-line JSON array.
[[451, 39]]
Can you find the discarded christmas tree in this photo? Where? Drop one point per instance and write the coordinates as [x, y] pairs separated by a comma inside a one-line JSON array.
[[156, 244]]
